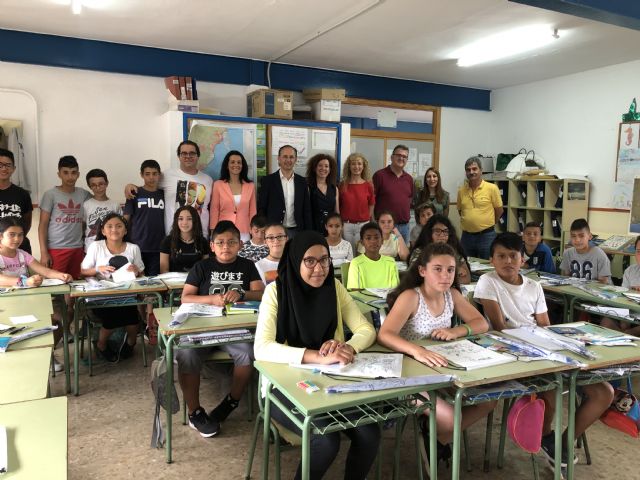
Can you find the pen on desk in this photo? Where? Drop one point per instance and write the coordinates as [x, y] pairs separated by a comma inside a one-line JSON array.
[[16, 330]]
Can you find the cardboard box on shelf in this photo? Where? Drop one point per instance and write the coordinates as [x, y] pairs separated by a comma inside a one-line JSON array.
[[317, 94], [327, 110], [266, 103]]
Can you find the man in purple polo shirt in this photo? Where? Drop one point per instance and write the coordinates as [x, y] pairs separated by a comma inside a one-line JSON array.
[[394, 190]]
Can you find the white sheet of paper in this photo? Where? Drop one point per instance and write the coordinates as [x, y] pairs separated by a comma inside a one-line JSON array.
[[123, 275], [51, 282], [22, 319], [4, 327], [4, 466]]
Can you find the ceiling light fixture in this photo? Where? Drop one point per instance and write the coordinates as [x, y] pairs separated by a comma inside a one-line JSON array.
[[506, 44], [76, 6]]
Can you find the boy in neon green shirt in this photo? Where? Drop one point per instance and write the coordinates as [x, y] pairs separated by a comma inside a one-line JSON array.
[[372, 270]]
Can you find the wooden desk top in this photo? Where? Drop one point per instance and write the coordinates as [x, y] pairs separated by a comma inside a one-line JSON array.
[[36, 439], [203, 324], [134, 288], [24, 375], [21, 292]]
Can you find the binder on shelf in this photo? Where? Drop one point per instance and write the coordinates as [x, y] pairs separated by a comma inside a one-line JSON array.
[[173, 85], [503, 220], [189, 86], [540, 193], [522, 189], [183, 88], [556, 222], [521, 223], [504, 192], [559, 200]]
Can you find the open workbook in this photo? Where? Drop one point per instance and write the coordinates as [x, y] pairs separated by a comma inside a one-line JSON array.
[[469, 356], [364, 365]]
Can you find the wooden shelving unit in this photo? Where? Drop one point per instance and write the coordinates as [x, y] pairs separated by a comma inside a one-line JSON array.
[[551, 202]]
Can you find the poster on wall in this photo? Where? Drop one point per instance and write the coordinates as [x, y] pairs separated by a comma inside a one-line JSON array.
[[627, 165], [216, 139], [634, 214], [298, 138]]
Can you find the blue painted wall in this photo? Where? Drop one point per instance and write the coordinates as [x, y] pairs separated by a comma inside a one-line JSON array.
[[56, 51]]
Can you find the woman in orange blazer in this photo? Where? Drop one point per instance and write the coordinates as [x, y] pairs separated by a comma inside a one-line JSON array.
[[234, 195]]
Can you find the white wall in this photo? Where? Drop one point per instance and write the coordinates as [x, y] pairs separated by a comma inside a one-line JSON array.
[[108, 121]]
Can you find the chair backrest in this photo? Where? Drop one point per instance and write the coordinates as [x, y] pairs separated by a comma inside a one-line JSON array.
[[344, 272]]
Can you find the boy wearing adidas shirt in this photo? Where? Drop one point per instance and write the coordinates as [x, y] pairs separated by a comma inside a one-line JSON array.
[[60, 228]]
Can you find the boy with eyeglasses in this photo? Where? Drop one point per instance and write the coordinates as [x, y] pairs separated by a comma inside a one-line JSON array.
[[276, 236], [218, 280], [14, 201], [94, 209], [186, 185]]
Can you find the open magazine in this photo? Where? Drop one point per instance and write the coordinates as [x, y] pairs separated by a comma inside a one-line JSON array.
[[364, 365], [468, 355]]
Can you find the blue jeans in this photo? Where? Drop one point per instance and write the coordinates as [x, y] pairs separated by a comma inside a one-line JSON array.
[[403, 228], [477, 245]]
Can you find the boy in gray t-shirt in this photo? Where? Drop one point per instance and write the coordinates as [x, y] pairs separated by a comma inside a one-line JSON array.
[[60, 228], [583, 260]]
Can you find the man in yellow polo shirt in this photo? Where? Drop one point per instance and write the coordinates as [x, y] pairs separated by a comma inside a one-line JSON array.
[[480, 207]]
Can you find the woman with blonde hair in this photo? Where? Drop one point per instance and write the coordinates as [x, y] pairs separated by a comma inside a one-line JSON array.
[[356, 197]]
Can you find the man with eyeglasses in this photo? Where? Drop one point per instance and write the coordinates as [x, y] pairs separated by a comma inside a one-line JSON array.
[[182, 186], [14, 201], [284, 196], [394, 190], [480, 207]]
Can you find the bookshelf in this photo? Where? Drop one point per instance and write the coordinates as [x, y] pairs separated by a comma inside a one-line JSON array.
[[552, 202]]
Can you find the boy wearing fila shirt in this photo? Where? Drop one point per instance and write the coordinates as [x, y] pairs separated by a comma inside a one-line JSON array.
[[145, 214]]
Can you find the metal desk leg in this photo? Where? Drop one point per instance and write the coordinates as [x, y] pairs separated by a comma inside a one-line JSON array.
[[571, 425], [169, 388], [265, 435], [572, 304], [306, 448], [457, 434], [433, 437], [76, 346], [65, 346], [557, 472]]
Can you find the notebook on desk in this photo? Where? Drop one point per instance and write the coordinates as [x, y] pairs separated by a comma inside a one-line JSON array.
[[468, 355]]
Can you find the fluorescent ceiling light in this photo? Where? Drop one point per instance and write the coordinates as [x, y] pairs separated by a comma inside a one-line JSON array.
[[506, 44]]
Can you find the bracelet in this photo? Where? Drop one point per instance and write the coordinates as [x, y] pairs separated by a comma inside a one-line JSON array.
[[469, 332]]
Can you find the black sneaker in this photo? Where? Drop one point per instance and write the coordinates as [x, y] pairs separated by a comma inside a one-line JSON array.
[[126, 351], [548, 450], [443, 451], [200, 421], [222, 411], [107, 354]]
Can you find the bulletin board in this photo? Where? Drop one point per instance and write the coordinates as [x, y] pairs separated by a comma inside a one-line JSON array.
[[627, 164], [308, 141]]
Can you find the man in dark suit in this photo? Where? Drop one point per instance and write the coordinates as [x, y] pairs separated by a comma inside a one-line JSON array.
[[284, 195]]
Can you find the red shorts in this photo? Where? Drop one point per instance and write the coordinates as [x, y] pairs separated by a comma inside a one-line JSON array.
[[67, 260]]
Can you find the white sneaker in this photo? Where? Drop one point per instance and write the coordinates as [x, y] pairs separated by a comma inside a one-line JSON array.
[[57, 366]]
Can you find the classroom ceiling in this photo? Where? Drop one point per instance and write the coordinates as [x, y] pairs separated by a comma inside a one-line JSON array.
[[411, 39]]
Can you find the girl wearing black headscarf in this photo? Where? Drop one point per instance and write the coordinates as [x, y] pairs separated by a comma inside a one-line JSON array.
[[301, 320]]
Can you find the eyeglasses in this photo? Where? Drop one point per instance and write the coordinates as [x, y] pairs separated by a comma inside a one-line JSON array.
[[188, 154], [397, 155], [311, 262], [275, 238], [6, 166], [441, 231], [222, 243]]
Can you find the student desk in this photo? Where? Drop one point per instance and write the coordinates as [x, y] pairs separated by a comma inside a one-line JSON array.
[[374, 407], [24, 375], [169, 337], [40, 307], [607, 356], [499, 373], [36, 439], [55, 290], [135, 288], [174, 287], [363, 299]]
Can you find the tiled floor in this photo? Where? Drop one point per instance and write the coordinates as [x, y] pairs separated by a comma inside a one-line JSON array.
[[110, 430]]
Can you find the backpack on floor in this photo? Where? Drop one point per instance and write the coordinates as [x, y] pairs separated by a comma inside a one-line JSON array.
[[624, 412], [162, 396], [524, 423]]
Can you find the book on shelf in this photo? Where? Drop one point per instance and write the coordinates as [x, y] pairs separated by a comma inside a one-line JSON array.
[[467, 355]]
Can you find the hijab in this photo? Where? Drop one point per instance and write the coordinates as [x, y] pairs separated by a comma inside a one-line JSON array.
[[307, 315]]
